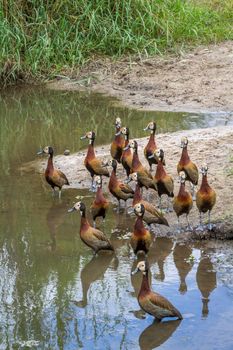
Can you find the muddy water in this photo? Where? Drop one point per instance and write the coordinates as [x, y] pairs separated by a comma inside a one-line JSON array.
[[53, 293]]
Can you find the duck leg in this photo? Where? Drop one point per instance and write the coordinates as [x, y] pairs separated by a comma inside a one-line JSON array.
[[93, 186], [193, 189], [189, 227], [210, 226], [169, 207], [178, 224], [59, 194], [119, 205], [200, 227]]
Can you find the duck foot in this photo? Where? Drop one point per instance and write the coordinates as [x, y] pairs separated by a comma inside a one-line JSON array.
[[211, 227], [140, 314]]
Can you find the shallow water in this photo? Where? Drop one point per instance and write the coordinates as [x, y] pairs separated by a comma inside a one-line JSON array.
[[54, 294]]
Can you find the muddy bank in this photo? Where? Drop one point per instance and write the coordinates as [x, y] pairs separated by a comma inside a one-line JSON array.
[[201, 80], [212, 146]]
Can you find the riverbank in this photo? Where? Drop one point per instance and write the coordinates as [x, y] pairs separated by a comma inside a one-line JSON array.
[[212, 146], [199, 81]]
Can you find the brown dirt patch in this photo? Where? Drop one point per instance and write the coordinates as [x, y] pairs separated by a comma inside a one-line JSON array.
[[201, 80]]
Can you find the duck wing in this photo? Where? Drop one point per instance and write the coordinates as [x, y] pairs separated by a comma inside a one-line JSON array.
[[158, 306], [96, 165], [169, 183], [151, 219], [151, 209], [59, 178], [147, 181], [125, 188], [192, 172]]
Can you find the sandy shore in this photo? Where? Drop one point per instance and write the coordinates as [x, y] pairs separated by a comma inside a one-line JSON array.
[[201, 80], [213, 146]]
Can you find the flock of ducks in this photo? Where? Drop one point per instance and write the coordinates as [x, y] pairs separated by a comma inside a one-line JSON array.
[[125, 152]]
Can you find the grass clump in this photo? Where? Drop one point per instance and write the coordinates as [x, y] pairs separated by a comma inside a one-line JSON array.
[[40, 38]]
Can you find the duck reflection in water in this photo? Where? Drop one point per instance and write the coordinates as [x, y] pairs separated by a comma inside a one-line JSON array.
[[182, 254], [159, 253], [55, 218], [93, 271], [157, 334], [206, 280]]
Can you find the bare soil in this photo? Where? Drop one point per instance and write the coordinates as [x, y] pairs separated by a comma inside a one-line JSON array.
[[213, 146], [198, 81]]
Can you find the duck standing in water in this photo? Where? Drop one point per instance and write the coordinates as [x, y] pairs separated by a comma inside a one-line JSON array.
[[118, 143], [164, 182], [183, 202], [127, 157], [141, 238], [100, 203], [93, 238], [118, 189], [91, 162], [54, 177], [151, 146], [186, 165], [153, 303], [206, 197]]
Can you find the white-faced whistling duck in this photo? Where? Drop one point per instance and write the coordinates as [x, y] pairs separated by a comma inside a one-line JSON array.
[[183, 202], [206, 197], [127, 157], [118, 143], [93, 238], [91, 162], [141, 238], [54, 177], [153, 303], [186, 165], [164, 182], [152, 215], [151, 145], [117, 188], [100, 203], [144, 176]]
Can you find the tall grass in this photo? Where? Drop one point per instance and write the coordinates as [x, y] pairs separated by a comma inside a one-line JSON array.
[[40, 38]]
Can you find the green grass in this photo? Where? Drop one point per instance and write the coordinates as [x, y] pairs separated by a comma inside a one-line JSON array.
[[40, 38]]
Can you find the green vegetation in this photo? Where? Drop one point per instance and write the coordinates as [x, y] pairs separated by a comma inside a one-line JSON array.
[[40, 38]]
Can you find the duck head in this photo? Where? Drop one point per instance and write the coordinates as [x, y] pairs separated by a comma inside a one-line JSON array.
[[46, 150], [142, 266], [139, 209], [98, 180], [134, 145], [112, 163], [118, 123], [79, 206], [184, 142], [204, 169], [123, 131], [90, 135], [159, 153], [182, 177], [133, 177], [151, 126]]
